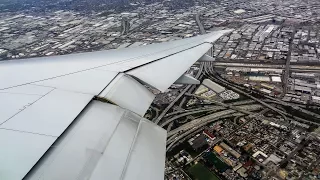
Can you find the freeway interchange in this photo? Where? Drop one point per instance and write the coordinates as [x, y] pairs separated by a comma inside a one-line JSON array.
[[179, 132]]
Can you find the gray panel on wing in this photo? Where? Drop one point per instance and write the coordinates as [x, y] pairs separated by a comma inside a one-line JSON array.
[[99, 145], [20, 151], [113, 163], [51, 114], [11, 104], [149, 149], [128, 93], [16, 99], [81, 144]]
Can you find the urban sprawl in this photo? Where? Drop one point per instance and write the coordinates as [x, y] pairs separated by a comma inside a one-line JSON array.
[[256, 113]]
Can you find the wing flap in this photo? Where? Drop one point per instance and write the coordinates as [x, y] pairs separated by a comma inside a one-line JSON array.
[[104, 143], [148, 149], [128, 93]]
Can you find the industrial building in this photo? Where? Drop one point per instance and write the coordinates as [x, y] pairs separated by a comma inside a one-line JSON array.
[[213, 86], [199, 142], [230, 150]]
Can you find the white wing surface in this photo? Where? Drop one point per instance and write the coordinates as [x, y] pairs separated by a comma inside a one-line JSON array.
[[52, 126]]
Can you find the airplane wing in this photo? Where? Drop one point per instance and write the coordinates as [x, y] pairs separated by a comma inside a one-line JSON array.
[[80, 116]]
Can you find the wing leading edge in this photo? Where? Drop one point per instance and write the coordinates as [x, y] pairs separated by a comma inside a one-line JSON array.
[[44, 111]]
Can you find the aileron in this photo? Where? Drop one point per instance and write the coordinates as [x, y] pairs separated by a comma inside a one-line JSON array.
[[163, 73]]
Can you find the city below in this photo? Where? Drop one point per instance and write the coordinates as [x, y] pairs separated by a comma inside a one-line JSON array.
[[255, 114]]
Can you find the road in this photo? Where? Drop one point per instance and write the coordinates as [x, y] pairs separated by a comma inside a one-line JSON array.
[[190, 113], [185, 131], [214, 76], [198, 125], [188, 110], [211, 74], [243, 110], [201, 28], [192, 89], [125, 25], [295, 107], [177, 134], [183, 136], [294, 68], [164, 112], [237, 103], [219, 139], [287, 69], [202, 31], [181, 133], [194, 125]]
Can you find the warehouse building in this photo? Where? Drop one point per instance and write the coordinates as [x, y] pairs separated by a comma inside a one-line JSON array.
[[230, 150], [213, 86]]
